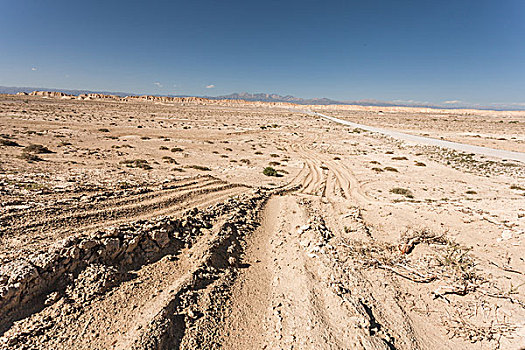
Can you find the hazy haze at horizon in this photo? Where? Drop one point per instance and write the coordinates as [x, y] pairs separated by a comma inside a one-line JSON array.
[[429, 52]]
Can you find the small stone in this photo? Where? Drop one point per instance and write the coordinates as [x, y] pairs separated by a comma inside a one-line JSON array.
[[52, 298], [232, 261]]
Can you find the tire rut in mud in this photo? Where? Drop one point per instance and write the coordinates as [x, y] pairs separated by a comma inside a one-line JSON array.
[[134, 253], [72, 219]]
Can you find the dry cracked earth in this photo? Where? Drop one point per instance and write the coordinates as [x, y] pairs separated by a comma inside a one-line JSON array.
[[143, 225]]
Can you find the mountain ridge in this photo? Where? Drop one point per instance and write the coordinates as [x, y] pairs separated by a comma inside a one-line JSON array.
[[271, 97]]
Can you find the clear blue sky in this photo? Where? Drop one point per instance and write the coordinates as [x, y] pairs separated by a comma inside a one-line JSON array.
[[433, 51]]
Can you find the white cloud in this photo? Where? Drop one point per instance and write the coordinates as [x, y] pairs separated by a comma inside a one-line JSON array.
[[33, 69], [157, 84], [452, 102], [211, 86]]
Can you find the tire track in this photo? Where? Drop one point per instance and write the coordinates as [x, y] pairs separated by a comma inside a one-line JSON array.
[[161, 200], [149, 310], [19, 221], [37, 234]]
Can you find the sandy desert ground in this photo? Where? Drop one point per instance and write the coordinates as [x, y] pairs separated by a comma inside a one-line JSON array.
[[150, 225]]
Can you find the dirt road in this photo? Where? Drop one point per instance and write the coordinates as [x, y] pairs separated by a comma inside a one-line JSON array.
[[462, 147], [283, 298]]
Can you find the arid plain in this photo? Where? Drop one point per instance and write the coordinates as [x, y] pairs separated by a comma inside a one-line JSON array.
[[148, 223]]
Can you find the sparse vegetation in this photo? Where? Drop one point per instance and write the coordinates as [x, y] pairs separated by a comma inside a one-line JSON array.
[[269, 171], [136, 163], [402, 191], [11, 143], [37, 149], [198, 167], [30, 157], [168, 159]]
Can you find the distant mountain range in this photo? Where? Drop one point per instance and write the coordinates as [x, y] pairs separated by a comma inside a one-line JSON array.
[[276, 98], [264, 97], [16, 89], [312, 101]]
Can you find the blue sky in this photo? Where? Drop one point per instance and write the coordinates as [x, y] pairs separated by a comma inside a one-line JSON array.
[[427, 51]]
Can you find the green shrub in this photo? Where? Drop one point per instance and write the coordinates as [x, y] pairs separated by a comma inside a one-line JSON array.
[[269, 171]]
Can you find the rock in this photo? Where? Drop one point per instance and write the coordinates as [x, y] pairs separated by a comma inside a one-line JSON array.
[[111, 247], [161, 238], [18, 271], [95, 279], [133, 243], [88, 244], [52, 298], [232, 261], [74, 253]]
